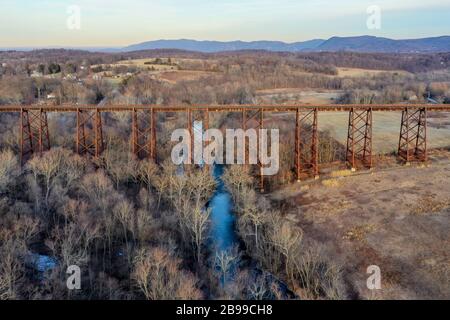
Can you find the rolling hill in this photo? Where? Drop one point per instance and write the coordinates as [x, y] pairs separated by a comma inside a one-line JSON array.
[[377, 44], [217, 46], [356, 44]]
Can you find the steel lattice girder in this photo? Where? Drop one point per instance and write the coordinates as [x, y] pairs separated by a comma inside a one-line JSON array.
[[306, 143], [34, 133], [413, 135], [143, 135], [254, 119], [89, 139], [359, 139], [196, 115]]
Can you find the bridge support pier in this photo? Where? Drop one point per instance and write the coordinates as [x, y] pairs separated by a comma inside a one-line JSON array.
[[306, 143], [193, 116], [34, 133], [254, 119], [359, 138], [143, 134], [89, 140], [413, 135]]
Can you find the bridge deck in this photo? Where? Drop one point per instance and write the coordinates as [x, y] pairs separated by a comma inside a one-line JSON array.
[[231, 108]]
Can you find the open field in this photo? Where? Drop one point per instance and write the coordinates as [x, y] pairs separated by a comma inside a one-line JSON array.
[[146, 63], [386, 129], [386, 126], [293, 95], [183, 75], [356, 72], [397, 219], [141, 63]]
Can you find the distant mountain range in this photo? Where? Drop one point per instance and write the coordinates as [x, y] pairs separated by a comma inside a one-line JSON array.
[[217, 46], [356, 44], [334, 44]]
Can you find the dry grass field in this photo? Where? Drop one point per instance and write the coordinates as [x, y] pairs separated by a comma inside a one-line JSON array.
[[293, 95], [144, 64], [183, 75], [397, 219], [386, 129], [386, 126], [356, 73]]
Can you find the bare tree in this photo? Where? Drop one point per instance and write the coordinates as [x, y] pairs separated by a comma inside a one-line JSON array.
[[236, 179], [158, 275], [286, 238], [224, 262], [119, 164], [68, 244], [147, 172], [102, 196], [55, 169], [12, 270], [47, 168], [203, 185], [124, 212], [9, 170], [317, 277], [197, 221], [252, 215]]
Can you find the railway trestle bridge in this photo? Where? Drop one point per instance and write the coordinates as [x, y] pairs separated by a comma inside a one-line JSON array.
[[412, 146]]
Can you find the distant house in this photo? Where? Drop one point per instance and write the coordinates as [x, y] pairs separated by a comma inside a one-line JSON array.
[[51, 96]]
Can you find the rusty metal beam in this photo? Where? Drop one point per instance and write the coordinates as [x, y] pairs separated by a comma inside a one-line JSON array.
[[99, 142], [143, 134], [254, 119], [297, 145], [195, 116], [306, 143], [190, 127], [34, 133], [359, 139], [205, 127], [153, 141], [89, 138], [413, 135], [232, 108]]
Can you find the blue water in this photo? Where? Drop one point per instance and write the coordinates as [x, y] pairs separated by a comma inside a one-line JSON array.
[[223, 233], [223, 242], [44, 263]]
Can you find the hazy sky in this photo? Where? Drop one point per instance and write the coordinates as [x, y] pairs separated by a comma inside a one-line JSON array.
[[117, 23]]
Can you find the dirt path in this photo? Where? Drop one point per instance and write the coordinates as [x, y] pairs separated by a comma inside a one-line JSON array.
[[397, 219]]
